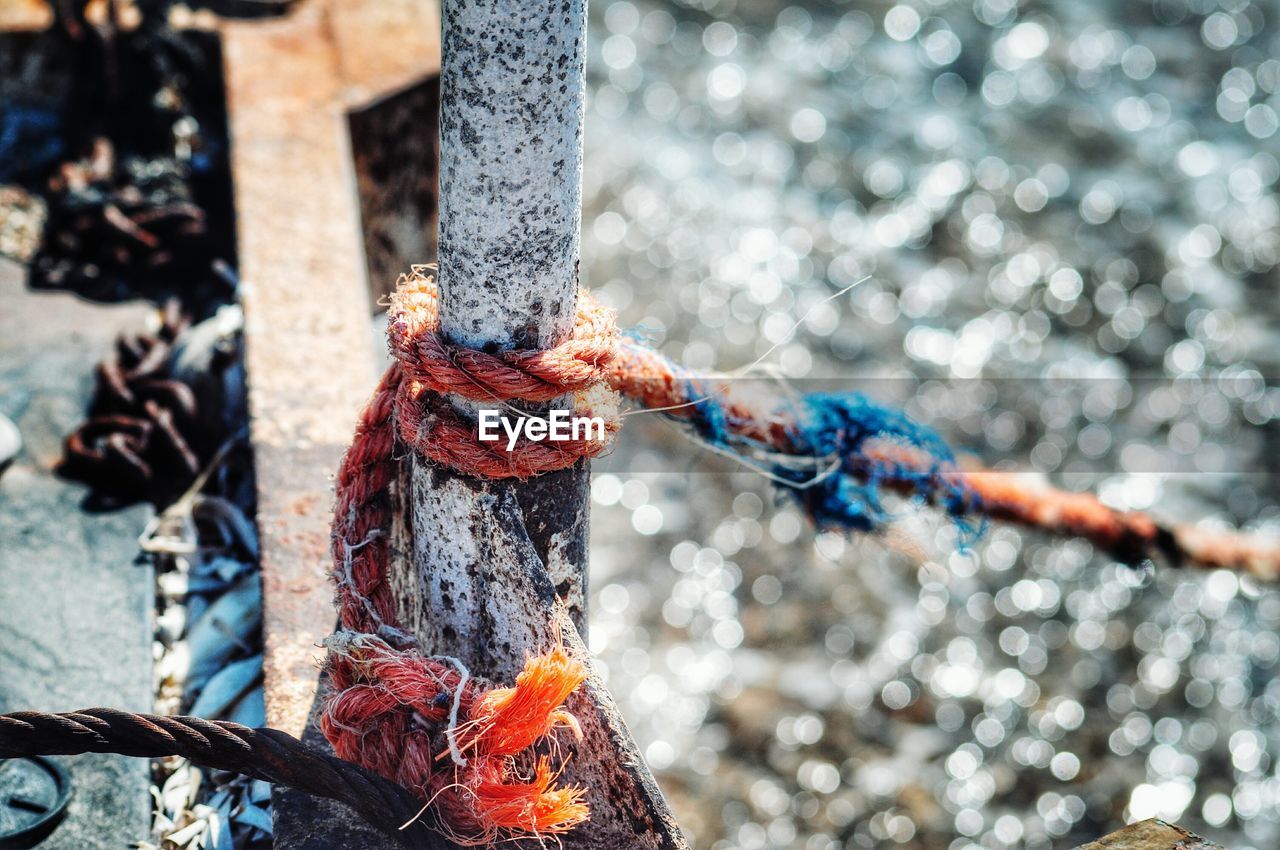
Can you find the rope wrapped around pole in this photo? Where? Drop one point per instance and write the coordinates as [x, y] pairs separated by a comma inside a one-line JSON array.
[[426, 741], [479, 751]]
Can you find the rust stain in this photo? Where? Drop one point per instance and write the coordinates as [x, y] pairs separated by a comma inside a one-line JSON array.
[[290, 83], [307, 504]]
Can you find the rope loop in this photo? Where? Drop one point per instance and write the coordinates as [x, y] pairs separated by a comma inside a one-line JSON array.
[[576, 364], [475, 752], [433, 369]]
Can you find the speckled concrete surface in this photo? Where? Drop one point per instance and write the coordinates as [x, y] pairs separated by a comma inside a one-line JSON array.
[[75, 605]]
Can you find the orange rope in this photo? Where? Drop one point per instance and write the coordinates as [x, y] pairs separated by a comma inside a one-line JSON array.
[[468, 747], [644, 375]]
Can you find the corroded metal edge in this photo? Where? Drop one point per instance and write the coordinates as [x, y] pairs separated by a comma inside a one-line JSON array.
[[1151, 834], [290, 84]]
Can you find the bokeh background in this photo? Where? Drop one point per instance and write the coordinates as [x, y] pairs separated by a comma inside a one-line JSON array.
[[1062, 223]]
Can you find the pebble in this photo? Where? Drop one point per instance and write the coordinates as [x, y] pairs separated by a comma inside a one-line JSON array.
[[22, 218]]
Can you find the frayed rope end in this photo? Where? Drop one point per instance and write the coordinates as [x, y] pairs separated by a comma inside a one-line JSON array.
[[397, 713], [535, 807], [843, 427], [843, 448], [509, 720]]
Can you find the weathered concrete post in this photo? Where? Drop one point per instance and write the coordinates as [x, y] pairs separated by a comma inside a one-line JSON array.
[[511, 89], [491, 571]]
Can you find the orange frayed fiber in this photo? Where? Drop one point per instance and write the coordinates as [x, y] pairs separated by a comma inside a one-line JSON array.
[[509, 720], [460, 743], [534, 807]]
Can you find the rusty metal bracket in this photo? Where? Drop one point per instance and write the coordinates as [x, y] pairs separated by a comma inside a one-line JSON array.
[[291, 84]]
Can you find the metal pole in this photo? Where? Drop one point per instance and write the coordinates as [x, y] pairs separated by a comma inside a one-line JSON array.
[[512, 85], [511, 91], [486, 564]]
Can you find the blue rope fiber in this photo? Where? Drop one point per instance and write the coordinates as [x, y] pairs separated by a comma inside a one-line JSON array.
[[833, 428], [707, 415], [838, 425]]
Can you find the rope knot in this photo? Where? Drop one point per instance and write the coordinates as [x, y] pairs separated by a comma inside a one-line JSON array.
[[473, 750], [402, 715], [432, 369]]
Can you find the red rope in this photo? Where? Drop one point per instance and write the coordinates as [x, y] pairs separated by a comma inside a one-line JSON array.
[[431, 368], [467, 746], [644, 375], [456, 741], [536, 376]]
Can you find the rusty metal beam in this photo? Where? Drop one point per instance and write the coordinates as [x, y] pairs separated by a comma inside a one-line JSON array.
[[291, 83]]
